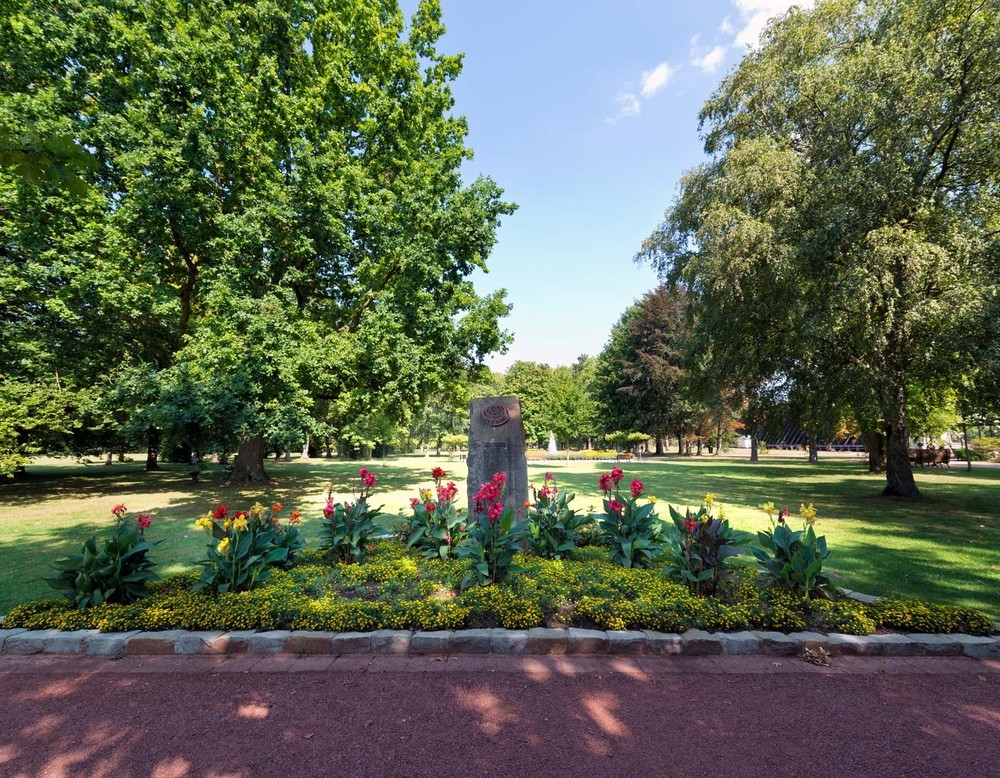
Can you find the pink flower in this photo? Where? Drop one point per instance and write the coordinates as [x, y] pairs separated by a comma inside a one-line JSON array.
[[447, 492], [328, 510], [548, 477], [545, 493], [143, 521], [367, 478], [499, 479], [615, 506], [414, 502], [605, 483], [495, 511], [119, 509], [617, 474], [636, 488]]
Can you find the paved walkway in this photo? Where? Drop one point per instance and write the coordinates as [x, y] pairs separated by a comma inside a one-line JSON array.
[[497, 715]]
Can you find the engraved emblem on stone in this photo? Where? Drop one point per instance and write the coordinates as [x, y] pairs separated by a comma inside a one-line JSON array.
[[495, 415]]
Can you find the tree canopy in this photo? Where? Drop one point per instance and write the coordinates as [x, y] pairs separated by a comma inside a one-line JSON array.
[[274, 229], [845, 227]]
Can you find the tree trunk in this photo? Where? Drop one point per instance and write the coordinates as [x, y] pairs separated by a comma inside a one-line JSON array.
[[659, 446], [813, 450], [288, 455], [754, 443], [329, 448], [249, 465], [718, 438], [305, 447], [152, 449], [899, 480], [698, 453], [109, 459], [680, 444], [965, 442]]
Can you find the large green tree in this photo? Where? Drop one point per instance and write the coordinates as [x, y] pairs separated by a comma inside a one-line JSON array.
[[849, 206], [275, 209]]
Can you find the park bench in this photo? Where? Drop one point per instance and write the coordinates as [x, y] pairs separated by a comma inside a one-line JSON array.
[[625, 456], [933, 457]]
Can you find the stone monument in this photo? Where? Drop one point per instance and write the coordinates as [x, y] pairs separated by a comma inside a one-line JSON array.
[[496, 445], [553, 448]]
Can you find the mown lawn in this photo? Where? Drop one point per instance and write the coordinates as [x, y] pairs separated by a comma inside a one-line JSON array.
[[944, 548]]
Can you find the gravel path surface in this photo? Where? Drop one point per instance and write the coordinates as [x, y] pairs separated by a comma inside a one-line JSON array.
[[497, 716]]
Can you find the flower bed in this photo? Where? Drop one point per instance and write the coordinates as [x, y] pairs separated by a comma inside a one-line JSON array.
[[397, 588]]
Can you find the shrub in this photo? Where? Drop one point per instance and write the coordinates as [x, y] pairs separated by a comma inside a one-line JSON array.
[[632, 532], [794, 557], [250, 543], [554, 526], [494, 537], [346, 528], [700, 547], [437, 527], [119, 572]]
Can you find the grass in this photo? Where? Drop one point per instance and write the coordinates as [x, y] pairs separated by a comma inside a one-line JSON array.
[[944, 549]]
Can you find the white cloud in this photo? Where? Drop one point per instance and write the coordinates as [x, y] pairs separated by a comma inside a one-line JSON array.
[[707, 60], [755, 14], [726, 28], [657, 78], [628, 105], [629, 99]]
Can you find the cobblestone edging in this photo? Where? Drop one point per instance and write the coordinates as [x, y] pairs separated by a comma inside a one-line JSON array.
[[694, 642]]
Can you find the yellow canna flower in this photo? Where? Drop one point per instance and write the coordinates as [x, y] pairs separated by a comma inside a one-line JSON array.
[[808, 512], [651, 498], [722, 514], [223, 546], [257, 510], [768, 508], [227, 525], [204, 523], [240, 524], [709, 499]]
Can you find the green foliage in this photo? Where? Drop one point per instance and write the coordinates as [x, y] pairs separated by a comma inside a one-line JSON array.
[[437, 527], [794, 557], [700, 546], [346, 528], [632, 532], [838, 233], [398, 589], [119, 573], [494, 538], [554, 526], [279, 180], [250, 545]]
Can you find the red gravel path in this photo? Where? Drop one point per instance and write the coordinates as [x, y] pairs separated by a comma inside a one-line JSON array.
[[476, 716]]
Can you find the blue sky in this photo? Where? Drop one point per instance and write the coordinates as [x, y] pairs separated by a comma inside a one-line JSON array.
[[586, 113]]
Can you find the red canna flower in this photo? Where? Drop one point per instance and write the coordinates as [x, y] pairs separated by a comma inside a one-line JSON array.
[[437, 474], [119, 509], [615, 506], [617, 474], [637, 488], [431, 507], [220, 512], [605, 483], [496, 511], [143, 521]]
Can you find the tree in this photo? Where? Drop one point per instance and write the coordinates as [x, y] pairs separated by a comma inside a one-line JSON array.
[[572, 413], [849, 207], [531, 382], [294, 163], [641, 371]]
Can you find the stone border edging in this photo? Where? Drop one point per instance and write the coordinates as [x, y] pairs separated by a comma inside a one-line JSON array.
[[538, 640]]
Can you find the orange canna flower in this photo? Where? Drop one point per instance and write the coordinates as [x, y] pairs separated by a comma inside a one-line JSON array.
[[276, 508]]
